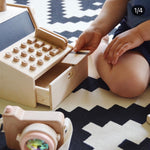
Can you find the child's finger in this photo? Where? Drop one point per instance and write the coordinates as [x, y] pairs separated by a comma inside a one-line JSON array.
[[123, 49], [79, 44], [120, 52], [109, 47]]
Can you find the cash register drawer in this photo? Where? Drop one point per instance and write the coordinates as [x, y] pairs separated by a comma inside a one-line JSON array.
[[59, 82]]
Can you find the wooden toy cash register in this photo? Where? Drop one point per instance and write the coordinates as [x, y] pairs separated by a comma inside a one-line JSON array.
[[36, 65]]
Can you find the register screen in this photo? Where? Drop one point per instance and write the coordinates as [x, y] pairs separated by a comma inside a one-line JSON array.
[[15, 29]]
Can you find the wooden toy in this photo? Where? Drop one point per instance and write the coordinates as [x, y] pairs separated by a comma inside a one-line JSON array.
[[148, 118], [36, 65], [42, 130]]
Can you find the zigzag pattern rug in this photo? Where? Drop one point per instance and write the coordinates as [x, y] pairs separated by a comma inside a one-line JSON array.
[[101, 120]]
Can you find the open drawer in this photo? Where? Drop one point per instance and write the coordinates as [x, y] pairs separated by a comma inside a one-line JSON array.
[[52, 87]]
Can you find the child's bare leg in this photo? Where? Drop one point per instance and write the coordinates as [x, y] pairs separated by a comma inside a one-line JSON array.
[[129, 77]]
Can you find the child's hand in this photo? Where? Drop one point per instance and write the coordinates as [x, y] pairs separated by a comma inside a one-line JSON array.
[[88, 40], [122, 43]]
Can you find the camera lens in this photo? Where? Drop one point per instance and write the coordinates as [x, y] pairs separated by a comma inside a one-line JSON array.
[[38, 136], [37, 144]]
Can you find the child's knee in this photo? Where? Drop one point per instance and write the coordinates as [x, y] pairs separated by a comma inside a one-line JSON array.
[[128, 87]]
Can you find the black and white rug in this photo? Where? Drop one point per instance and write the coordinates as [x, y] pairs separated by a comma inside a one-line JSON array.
[[101, 120]]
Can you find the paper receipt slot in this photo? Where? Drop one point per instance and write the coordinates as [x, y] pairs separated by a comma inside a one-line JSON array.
[[36, 65]]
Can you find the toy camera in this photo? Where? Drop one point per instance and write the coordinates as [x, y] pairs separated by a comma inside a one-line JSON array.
[[36, 130]]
